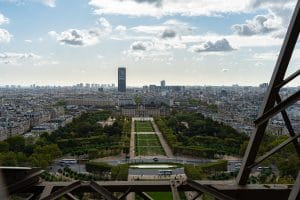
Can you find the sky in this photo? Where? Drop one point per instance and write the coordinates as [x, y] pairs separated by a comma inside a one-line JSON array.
[[185, 42]]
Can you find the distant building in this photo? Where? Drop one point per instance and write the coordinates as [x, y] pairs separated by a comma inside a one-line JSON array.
[[263, 87], [163, 83], [121, 79], [142, 111]]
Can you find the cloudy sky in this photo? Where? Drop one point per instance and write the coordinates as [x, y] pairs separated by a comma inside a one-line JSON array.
[[186, 42]]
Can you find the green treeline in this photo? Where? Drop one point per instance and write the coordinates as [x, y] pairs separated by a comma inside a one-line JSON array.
[[199, 172], [16, 151], [193, 134], [119, 172], [83, 136]]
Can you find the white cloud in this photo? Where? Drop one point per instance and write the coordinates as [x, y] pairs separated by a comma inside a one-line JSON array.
[[5, 36], [235, 40], [270, 56], [105, 24], [225, 70], [75, 37], [100, 57], [46, 62], [154, 49], [83, 37], [273, 56], [141, 46], [149, 29], [169, 30], [169, 33], [28, 41], [271, 3], [217, 46], [168, 8], [121, 28], [3, 19], [17, 58], [50, 3], [260, 24]]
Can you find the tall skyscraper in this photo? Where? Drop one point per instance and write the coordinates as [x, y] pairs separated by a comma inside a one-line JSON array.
[[163, 83], [122, 79]]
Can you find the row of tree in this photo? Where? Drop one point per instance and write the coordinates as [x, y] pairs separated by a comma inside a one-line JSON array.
[[193, 134], [16, 151]]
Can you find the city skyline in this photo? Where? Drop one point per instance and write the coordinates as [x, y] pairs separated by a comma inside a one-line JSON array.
[[192, 43]]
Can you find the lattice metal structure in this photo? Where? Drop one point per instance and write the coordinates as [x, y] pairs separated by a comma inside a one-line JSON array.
[[273, 104], [26, 181]]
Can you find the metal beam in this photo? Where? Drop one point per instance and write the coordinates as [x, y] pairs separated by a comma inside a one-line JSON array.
[[278, 108], [71, 196], [27, 181], [104, 192], [197, 195], [123, 196], [61, 192], [295, 193], [288, 125], [174, 190], [209, 190], [144, 195], [269, 100], [274, 150], [288, 79], [249, 192]]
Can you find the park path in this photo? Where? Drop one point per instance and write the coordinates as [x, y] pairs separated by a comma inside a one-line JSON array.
[[131, 195], [162, 140], [131, 153]]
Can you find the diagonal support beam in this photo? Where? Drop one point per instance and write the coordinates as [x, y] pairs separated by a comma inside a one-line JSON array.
[[278, 108], [144, 195], [103, 191], [61, 192], [174, 190], [269, 100], [274, 150], [289, 125], [28, 180], [288, 79], [71, 196], [197, 195], [295, 193], [209, 190], [123, 196]]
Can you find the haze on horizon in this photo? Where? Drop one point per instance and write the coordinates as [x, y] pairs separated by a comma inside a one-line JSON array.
[[192, 42]]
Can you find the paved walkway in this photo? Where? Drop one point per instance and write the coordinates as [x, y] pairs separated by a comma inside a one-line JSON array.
[[131, 153], [162, 140]]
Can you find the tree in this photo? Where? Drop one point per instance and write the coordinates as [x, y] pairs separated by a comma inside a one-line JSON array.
[[16, 143], [4, 146], [52, 150], [8, 159], [289, 166]]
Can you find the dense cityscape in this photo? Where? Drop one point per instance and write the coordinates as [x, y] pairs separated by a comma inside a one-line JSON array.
[[103, 132], [35, 109], [149, 100]]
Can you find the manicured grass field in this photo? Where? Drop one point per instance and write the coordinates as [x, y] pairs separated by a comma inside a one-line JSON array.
[[160, 195], [148, 145], [143, 126]]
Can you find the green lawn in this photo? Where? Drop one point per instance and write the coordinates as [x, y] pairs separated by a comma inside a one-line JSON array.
[[145, 126], [148, 145], [160, 195]]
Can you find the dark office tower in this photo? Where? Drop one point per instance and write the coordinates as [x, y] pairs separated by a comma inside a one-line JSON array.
[[122, 79], [163, 83]]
